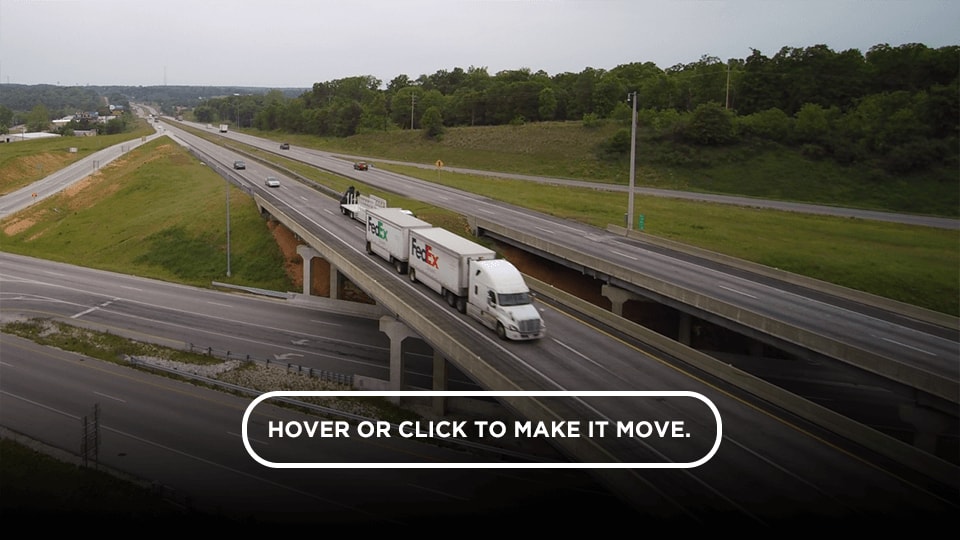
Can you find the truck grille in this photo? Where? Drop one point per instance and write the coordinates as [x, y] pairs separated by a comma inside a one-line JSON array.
[[530, 326]]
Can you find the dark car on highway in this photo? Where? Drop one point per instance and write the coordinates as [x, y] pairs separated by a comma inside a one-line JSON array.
[[285, 146], [239, 165]]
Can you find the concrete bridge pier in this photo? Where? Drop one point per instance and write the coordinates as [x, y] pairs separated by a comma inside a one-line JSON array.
[[685, 331], [397, 331], [307, 253], [929, 424], [618, 297]]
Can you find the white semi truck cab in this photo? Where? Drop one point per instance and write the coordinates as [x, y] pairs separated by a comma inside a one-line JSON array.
[[500, 299]]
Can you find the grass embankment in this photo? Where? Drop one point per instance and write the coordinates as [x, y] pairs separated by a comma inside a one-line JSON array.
[[25, 162], [156, 212], [569, 150]]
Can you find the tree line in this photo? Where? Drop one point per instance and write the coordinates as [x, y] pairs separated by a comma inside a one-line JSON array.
[[36, 105], [899, 103]]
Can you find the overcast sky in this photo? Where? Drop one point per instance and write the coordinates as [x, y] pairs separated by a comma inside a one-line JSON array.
[[295, 43]]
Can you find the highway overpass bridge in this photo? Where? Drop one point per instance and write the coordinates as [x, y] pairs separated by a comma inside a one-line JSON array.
[[405, 316], [625, 283]]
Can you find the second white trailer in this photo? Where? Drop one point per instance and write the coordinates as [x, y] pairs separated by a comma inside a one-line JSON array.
[[388, 234], [440, 260]]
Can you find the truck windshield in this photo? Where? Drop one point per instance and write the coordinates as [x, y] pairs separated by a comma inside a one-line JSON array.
[[514, 299]]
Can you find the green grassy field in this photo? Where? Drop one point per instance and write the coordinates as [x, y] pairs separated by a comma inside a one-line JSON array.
[[569, 150]]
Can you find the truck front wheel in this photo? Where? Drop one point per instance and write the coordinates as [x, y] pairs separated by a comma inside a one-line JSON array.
[[501, 331], [413, 275]]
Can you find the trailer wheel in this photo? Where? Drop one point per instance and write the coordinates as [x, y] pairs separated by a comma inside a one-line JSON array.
[[398, 264], [461, 304], [451, 299], [413, 275], [369, 251], [501, 331]]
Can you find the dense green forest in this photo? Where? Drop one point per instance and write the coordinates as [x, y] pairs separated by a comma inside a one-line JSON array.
[[893, 109]]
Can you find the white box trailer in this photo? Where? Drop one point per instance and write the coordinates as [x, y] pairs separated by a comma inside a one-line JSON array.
[[471, 279], [438, 258], [388, 234]]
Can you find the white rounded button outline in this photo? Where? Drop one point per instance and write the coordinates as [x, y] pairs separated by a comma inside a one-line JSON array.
[[480, 393]]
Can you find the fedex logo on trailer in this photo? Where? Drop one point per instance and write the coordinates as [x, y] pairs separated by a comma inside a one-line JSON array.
[[424, 253], [376, 228]]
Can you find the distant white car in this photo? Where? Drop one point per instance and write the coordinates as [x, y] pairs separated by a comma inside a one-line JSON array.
[[272, 181]]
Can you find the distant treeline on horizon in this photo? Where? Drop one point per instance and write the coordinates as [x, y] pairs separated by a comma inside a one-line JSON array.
[[899, 105], [741, 84]]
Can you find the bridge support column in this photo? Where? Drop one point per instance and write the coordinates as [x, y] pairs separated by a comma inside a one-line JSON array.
[[397, 332], [684, 332], [307, 253], [335, 278], [929, 424], [439, 383], [617, 298]]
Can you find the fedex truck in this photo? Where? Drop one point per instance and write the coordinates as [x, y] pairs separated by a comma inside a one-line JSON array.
[[388, 234], [475, 282]]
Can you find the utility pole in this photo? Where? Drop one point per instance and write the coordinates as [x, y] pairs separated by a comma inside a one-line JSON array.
[[728, 86], [413, 99], [632, 97]]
